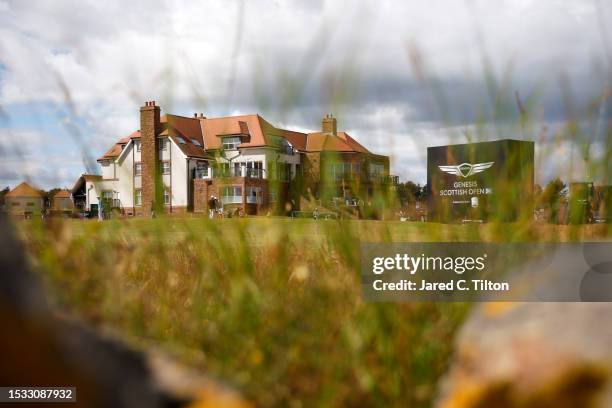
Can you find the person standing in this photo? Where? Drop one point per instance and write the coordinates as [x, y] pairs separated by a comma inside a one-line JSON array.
[[212, 206]]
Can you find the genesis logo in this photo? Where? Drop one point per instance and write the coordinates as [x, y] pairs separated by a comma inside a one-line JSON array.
[[466, 169]]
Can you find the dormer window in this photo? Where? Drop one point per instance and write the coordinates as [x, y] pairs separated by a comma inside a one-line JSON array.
[[196, 142], [231, 143], [283, 144], [181, 140]]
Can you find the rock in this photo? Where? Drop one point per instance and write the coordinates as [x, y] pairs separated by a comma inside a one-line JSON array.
[[40, 348], [532, 355]]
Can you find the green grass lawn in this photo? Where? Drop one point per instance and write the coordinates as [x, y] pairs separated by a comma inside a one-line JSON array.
[[271, 306]]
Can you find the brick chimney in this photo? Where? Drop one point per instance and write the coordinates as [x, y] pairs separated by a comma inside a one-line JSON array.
[[330, 125], [152, 192]]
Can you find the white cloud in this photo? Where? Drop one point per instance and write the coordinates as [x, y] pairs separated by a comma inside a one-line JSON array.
[[295, 61]]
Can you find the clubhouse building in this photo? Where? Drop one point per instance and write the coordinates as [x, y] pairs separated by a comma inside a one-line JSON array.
[[178, 164]]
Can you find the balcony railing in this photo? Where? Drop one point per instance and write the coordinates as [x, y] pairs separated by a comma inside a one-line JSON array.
[[384, 179], [254, 173], [231, 199], [253, 200], [202, 174], [240, 172]]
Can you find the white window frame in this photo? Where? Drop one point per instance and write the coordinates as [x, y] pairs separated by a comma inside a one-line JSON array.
[[234, 198], [163, 144], [138, 169], [138, 197], [253, 198], [164, 167], [231, 142]]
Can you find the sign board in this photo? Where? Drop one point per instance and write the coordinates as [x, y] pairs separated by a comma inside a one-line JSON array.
[[476, 182]]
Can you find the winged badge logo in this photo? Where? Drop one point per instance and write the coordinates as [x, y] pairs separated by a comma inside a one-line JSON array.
[[466, 169]]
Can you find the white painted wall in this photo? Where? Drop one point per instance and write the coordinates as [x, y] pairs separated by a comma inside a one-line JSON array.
[[124, 171], [179, 176], [108, 169]]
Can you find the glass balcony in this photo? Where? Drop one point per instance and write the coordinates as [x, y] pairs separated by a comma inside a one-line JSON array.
[[253, 200], [240, 172], [231, 199]]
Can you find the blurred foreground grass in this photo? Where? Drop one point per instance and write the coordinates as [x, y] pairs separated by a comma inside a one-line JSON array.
[[272, 306]]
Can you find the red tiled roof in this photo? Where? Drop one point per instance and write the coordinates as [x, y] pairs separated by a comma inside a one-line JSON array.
[[183, 129], [256, 131], [62, 194], [24, 190], [213, 128], [319, 141], [117, 148]]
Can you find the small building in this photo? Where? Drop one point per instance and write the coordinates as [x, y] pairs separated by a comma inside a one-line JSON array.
[[84, 195], [61, 203], [24, 201]]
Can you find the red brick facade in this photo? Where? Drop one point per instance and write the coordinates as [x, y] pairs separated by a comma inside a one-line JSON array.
[[204, 189], [151, 181]]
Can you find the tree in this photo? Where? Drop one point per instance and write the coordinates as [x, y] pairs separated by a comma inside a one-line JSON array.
[[409, 192], [552, 196]]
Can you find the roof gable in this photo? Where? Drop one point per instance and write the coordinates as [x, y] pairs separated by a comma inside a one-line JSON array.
[[24, 190], [319, 142], [62, 194]]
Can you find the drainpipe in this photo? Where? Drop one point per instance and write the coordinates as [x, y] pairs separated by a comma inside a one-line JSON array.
[[88, 204]]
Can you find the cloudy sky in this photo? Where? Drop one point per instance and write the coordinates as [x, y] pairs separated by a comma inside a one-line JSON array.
[[399, 76]]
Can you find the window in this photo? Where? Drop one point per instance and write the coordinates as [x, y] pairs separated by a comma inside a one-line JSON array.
[[163, 143], [231, 191], [231, 143], [15, 204], [201, 169], [231, 195], [254, 169], [196, 142], [137, 169], [30, 204], [165, 167], [222, 170], [377, 169], [253, 195], [138, 197], [137, 144], [107, 194], [167, 196], [345, 170]]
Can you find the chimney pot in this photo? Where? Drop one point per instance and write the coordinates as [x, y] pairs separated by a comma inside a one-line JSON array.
[[329, 125]]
